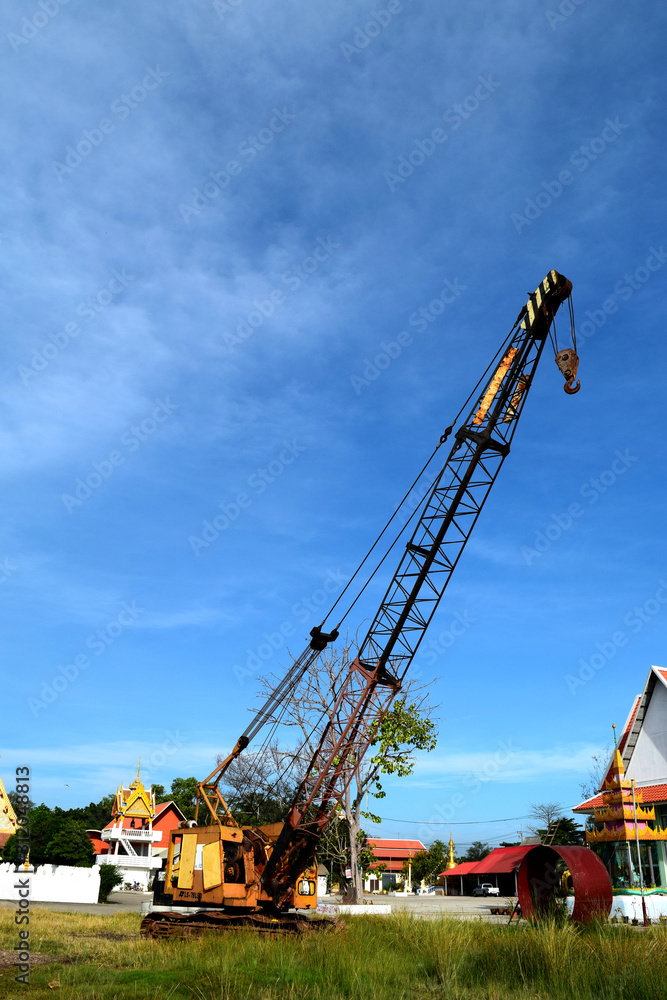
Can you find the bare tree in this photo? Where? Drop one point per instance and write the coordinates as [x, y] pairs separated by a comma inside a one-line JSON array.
[[544, 813], [257, 787], [405, 729], [593, 783]]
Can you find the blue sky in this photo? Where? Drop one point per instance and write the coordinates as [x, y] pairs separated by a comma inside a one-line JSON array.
[[213, 217]]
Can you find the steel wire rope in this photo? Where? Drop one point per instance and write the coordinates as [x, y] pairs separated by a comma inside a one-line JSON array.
[[249, 779], [442, 440], [294, 675], [275, 721], [573, 330], [324, 713]]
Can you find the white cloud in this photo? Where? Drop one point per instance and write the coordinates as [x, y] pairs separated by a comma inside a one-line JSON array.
[[508, 763]]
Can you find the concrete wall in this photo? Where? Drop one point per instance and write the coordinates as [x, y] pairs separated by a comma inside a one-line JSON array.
[[52, 883]]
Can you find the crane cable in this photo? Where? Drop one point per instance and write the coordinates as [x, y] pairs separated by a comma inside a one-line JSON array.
[[261, 719], [443, 438], [553, 337]]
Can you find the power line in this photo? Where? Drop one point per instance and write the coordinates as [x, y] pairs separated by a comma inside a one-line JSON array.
[[470, 822]]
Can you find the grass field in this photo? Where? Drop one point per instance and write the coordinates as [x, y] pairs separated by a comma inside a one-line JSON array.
[[374, 959]]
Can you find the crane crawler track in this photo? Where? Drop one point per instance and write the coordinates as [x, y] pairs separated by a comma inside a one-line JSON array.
[[159, 926]]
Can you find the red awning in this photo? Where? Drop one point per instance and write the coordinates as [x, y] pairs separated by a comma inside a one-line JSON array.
[[502, 859], [464, 868]]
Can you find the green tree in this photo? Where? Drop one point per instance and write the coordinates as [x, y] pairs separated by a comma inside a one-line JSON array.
[[160, 792], [70, 845], [184, 794], [20, 806], [477, 850], [110, 877], [42, 824], [427, 865], [94, 816]]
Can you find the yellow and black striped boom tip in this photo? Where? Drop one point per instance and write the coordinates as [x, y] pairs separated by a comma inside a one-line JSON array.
[[548, 295]]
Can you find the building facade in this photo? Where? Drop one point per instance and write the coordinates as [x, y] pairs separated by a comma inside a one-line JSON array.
[[391, 855], [137, 838], [618, 821]]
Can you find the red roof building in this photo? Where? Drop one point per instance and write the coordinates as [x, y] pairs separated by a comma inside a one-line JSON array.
[[392, 854], [501, 861]]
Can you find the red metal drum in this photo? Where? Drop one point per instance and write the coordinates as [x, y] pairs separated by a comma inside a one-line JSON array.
[[538, 880]]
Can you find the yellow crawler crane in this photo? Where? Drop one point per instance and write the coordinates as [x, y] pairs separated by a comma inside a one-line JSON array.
[[223, 874]]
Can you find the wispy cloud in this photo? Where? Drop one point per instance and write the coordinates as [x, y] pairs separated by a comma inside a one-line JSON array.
[[523, 765]]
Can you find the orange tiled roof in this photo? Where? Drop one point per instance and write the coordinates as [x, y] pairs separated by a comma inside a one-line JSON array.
[[391, 845], [651, 793]]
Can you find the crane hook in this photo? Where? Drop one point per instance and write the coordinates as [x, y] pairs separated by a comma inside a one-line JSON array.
[[568, 362]]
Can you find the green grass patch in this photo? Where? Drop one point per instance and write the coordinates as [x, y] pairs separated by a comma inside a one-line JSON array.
[[374, 959]]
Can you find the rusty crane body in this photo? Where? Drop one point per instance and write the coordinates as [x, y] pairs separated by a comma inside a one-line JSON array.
[[222, 872]]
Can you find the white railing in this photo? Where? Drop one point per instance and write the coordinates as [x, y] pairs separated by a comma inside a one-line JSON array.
[[127, 861], [118, 833]]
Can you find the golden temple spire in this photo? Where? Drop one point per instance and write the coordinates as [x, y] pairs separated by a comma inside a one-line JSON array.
[[451, 863]]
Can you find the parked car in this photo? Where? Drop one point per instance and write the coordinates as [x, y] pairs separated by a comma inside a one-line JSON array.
[[428, 890], [486, 889]]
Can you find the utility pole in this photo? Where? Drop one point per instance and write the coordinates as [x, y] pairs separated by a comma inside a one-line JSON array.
[[639, 857]]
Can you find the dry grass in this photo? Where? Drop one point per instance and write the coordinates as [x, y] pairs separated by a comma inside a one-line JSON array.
[[377, 959]]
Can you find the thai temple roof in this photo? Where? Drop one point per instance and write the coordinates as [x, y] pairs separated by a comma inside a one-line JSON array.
[[641, 753], [623, 814], [135, 802], [7, 814]]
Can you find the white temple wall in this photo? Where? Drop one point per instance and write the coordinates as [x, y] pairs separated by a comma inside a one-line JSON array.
[[51, 884]]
